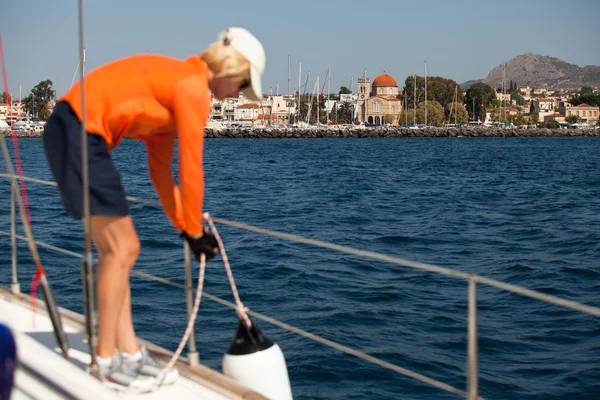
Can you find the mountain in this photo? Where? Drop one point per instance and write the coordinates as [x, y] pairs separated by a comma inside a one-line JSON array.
[[540, 71], [465, 85]]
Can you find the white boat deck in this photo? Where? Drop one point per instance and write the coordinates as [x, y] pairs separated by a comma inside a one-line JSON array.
[[44, 373]]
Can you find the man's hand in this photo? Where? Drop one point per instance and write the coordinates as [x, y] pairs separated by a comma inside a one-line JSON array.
[[205, 243]]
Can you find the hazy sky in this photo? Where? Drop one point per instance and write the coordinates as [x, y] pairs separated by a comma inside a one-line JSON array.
[[461, 40]]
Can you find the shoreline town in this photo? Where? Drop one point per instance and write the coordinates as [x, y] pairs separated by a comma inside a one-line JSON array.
[[380, 108]]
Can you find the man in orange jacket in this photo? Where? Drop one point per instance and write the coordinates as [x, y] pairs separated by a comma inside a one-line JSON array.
[[154, 99]]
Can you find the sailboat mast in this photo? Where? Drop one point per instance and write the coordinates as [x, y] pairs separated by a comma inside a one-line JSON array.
[[309, 97], [288, 98], [318, 99], [415, 101], [328, 92], [455, 103], [405, 109], [425, 93], [504, 90], [299, 85]]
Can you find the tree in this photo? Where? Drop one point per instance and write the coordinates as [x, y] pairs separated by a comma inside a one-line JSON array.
[[389, 119], [520, 120], [345, 113], [345, 90], [435, 113], [520, 100], [457, 110], [36, 103], [406, 116], [333, 115], [573, 119], [590, 99], [587, 90], [479, 96], [439, 89], [5, 98]]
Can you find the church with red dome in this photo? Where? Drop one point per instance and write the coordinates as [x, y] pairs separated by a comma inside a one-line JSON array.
[[381, 99]]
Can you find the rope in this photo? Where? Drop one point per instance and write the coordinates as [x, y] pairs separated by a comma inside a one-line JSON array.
[[191, 321], [240, 310], [188, 330]]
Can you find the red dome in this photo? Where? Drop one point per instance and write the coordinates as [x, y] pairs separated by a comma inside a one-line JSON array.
[[385, 80]]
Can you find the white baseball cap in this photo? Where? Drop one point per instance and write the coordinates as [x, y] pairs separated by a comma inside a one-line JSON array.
[[251, 48]]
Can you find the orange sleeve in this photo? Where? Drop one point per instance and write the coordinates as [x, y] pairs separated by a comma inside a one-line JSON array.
[[160, 157], [191, 106]]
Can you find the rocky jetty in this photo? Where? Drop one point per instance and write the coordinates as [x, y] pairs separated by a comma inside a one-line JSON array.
[[398, 132], [361, 132]]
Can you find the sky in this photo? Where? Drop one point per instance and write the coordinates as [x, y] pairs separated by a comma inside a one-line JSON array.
[[460, 39]]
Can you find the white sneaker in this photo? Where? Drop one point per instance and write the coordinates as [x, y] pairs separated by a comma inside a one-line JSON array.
[[147, 366], [121, 378]]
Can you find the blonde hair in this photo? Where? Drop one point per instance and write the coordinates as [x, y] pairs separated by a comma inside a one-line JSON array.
[[225, 61]]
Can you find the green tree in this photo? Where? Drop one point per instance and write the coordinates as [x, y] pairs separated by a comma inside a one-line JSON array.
[[5, 98], [520, 120], [439, 89], [590, 99], [36, 103], [573, 119], [479, 96], [520, 100], [389, 119], [406, 115], [344, 90], [435, 113], [457, 110], [345, 113], [534, 119], [333, 115], [587, 90]]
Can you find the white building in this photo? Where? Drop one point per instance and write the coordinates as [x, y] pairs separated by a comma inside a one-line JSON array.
[[543, 105], [247, 112]]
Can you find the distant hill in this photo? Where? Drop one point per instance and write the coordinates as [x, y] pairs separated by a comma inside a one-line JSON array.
[[465, 85], [540, 71]]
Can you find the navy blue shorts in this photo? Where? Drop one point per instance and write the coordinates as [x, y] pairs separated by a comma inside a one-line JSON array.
[[62, 143]]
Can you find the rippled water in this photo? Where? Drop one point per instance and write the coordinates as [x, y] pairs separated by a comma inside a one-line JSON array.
[[521, 210]]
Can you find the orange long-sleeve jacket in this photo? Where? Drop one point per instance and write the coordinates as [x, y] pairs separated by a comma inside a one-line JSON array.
[[154, 99]]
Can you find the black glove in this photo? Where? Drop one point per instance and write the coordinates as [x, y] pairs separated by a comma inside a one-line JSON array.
[[207, 243]]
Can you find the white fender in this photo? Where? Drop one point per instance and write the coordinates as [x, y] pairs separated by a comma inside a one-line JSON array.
[[258, 364]]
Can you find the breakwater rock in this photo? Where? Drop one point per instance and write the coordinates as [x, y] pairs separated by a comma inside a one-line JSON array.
[[360, 132], [394, 132]]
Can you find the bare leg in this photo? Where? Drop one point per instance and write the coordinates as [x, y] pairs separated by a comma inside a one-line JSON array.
[[118, 247], [126, 340]]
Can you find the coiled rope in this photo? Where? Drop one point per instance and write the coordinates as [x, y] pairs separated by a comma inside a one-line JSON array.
[[240, 309]]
